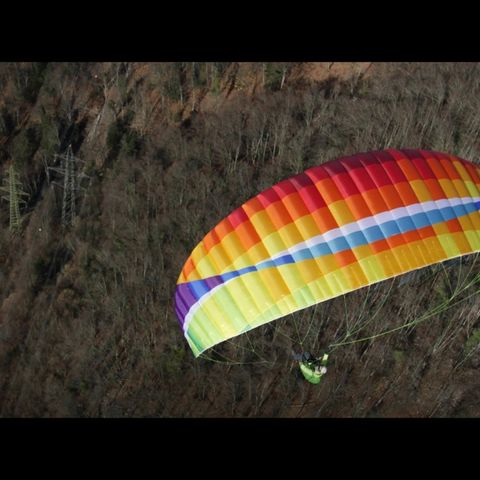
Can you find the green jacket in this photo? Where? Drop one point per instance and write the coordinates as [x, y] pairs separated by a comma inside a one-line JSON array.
[[309, 372]]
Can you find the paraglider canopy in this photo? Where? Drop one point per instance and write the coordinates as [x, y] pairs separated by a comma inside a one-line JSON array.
[[335, 228]]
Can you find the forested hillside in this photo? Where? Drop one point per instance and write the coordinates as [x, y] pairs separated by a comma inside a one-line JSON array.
[[119, 169]]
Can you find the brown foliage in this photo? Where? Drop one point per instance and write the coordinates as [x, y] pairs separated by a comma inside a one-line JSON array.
[[87, 326]]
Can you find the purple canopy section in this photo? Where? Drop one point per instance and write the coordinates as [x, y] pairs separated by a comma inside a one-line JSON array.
[[187, 294]]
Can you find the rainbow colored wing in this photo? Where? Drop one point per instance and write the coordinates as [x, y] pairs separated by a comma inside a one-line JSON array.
[[335, 228]]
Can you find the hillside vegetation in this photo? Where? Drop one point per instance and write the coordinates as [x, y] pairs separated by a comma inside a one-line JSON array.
[[87, 325]]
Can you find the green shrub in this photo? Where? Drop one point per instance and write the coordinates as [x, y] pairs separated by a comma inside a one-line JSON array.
[[172, 76], [122, 138], [30, 81], [473, 341], [218, 70], [49, 135], [25, 144], [131, 143], [199, 74], [6, 122], [273, 76], [172, 88], [115, 134]]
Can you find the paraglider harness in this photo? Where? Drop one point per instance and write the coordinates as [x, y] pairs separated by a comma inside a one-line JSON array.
[[313, 369]]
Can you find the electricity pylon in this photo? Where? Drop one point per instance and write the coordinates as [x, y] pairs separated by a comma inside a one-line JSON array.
[[14, 194], [71, 184]]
